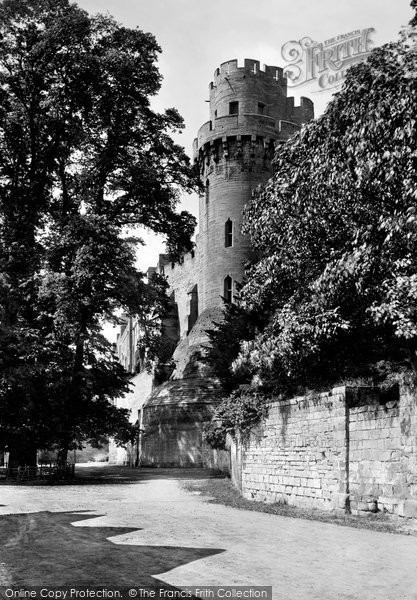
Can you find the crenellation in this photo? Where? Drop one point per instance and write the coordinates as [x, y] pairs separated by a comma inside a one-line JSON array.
[[250, 67]]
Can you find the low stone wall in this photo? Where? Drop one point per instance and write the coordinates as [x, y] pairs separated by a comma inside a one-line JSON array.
[[216, 460], [347, 449], [383, 453], [298, 455]]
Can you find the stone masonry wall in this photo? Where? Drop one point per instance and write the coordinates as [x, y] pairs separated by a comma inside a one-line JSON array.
[[181, 280], [298, 456], [346, 449], [173, 435], [383, 453]]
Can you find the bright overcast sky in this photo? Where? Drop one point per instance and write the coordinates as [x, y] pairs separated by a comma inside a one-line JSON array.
[[197, 35]]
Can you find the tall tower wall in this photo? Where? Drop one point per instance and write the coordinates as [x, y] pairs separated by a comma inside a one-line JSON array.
[[249, 114]]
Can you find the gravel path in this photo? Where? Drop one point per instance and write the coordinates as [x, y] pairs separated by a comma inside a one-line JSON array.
[[142, 527]]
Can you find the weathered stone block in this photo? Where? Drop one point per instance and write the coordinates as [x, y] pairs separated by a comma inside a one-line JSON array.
[[408, 509]]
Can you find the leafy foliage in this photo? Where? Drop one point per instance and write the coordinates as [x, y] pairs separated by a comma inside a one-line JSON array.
[[159, 336], [225, 340], [335, 229], [82, 156], [242, 407], [236, 414]]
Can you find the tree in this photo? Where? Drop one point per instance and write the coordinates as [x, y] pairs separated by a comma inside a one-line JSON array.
[[335, 230], [225, 338], [82, 156]]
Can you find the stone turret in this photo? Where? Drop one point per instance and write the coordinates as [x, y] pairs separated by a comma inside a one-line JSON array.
[[249, 114]]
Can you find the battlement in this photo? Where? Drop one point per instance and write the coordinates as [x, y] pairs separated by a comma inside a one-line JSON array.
[[167, 267], [302, 113], [245, 124], [304, 102], [250, 67], [187, 259], [247, 99]]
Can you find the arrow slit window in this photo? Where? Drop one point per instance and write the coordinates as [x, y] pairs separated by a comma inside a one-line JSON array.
[[207, 190], [228, 289], [228, 233]]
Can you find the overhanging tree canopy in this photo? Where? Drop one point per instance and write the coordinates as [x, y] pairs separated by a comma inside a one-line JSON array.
[[82, 155], [336, 234]]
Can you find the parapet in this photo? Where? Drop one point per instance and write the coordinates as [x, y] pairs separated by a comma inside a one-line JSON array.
[[248, 101], [165, 266], [303, 113], [251, 67]]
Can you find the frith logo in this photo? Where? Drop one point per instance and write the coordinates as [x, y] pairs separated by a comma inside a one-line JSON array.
[[326, 62]]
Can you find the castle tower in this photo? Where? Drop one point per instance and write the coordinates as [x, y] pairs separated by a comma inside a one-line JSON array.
[[250, 114]]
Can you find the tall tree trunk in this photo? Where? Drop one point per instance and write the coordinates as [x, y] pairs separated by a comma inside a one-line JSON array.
[[62, 456]]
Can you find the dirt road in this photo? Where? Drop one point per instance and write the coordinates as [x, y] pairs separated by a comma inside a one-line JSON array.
[[140, 527]]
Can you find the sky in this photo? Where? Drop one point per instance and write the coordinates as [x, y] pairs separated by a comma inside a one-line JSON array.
[[196, 36]]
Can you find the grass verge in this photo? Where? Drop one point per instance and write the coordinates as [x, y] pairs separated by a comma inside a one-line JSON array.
[[221, 491]]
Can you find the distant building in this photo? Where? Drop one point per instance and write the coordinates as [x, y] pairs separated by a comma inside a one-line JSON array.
[[250, 116]]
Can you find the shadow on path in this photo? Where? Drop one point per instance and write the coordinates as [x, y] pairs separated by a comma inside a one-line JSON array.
[[103, 474], [45, 549]]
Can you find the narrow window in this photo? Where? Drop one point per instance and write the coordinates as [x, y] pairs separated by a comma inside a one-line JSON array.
[[228, 233], [233, 108], [207, 190], [261, 108], [193, 316], [228, 289]]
